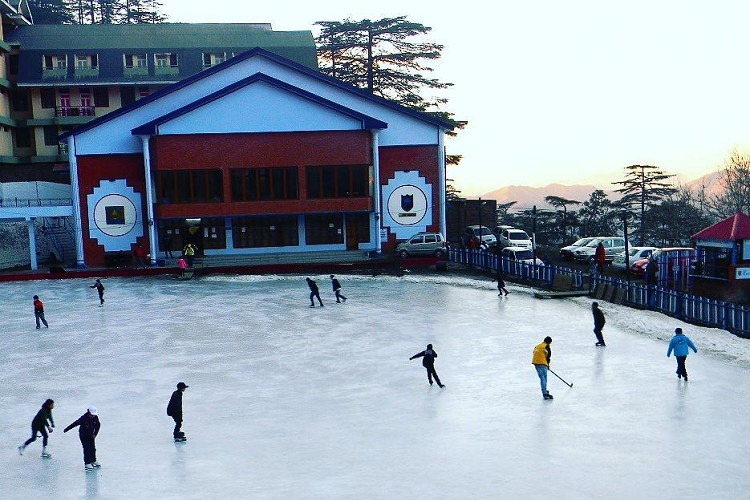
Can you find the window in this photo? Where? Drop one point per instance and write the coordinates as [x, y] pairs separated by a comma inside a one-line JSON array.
[[214, 232], [136, 61], [101, 97], [254, 184], [13, 64], [430, 238], [324, 229], [344, 181], [89, 61], [53, 62], [165, 60], [213, 58], [265, 231], [50, 136], [20, 100], [127, 95], [190, 186], [417, 240], [23, 137], [47, 98]]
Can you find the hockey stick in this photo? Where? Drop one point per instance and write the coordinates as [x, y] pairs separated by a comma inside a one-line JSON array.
[[558, 376]]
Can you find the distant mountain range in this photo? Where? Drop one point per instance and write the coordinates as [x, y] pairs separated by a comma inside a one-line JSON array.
[[527, 196]]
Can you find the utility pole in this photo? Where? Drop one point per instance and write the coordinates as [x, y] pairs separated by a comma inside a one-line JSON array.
[[624, 216], [533, 234]]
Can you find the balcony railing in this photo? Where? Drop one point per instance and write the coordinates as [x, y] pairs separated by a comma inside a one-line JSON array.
[[62, 149], [34, 202], [75, 111]]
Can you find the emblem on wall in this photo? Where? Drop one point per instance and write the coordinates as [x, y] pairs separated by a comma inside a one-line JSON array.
[[407, 204], [115, 218]]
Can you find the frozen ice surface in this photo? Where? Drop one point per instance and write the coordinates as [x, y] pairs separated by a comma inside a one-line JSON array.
[[290, 402]]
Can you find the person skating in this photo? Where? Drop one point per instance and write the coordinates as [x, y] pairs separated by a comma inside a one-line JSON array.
[[88, 428], [598, 323], [189, 253], [138, 254], [600, 256], [428, 361], [314, 292], [540, 359], [680, 344], [174, 410], [99, 288], [337, 289], [42, 423], [500, 278], [39, 312]]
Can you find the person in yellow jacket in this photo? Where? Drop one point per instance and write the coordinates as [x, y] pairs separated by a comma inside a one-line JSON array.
[[540, 360]]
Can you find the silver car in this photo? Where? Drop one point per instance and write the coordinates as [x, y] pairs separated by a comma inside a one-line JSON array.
[[422, 244]]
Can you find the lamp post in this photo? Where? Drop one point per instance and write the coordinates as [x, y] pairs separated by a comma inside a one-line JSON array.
[[533, 234], [624, 216]]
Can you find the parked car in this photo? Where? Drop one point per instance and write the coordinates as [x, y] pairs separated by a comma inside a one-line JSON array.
[[638, 268], [612, 246], [636, 254], [474, 232], [567, 252], [520, 254], [422, 244], [513, 237]]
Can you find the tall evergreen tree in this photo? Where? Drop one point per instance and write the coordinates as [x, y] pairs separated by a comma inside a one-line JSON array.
[[96, 11], [52, 11], [560, 202], [644, 186], [597, 215]]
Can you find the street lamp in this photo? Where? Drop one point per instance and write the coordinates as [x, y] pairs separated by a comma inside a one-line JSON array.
[[624, 216]]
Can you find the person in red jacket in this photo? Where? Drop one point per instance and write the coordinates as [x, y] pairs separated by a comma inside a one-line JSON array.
[[39, 312], [88, 428], [600, 257]]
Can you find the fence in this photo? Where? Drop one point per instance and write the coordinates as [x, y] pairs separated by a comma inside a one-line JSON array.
[[34, 202], [690, 308]]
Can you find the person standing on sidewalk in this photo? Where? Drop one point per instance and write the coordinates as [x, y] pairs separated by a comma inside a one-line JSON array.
[[42, 423], [337, 289], [314, 292], [600, 256], [540, 359], [428, 361], [99, 288], [174, 410], [680, 344], [88, 428], [39, 312], [598, 323]]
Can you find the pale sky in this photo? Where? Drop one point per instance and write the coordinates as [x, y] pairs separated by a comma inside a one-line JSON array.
[[567, 92]]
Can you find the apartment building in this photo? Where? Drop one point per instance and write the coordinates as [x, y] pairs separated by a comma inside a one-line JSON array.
[[54, 78]]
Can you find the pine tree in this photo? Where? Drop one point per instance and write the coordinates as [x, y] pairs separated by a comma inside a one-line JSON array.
[[644, 186], [560, 202], [52, 11]]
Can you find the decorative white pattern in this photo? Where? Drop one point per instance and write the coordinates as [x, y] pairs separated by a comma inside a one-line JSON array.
[[407, 204], [114, 213]]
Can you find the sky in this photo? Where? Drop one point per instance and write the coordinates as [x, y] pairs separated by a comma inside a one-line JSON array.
[[564, 92]]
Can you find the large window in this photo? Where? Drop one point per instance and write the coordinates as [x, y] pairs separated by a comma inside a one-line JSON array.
[[165, 60], [101, 97], [136, 61], [345, 181], [53, 62], [213, 58], [214, 232], [190, 186], [254, 184], [50, 135], [88, 61], [324, 229], [23, 137], [48, 98], [265, 231], [127, 95], [19, 100]]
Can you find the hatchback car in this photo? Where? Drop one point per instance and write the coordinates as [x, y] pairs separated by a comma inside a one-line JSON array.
[[520, 254], [567, 252], [422, 244], [612, 246], [636, 254], [513, 237]]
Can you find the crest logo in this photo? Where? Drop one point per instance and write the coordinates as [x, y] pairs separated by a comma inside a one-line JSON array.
[[407, 202]]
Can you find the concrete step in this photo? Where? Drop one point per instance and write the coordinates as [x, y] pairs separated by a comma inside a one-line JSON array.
[[279, 258]]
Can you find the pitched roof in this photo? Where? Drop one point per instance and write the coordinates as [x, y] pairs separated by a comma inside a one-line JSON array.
[[368, 122], [733, 228], [242, 57]]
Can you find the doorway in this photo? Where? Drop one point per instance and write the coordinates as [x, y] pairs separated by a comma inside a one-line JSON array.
[[352, 239]]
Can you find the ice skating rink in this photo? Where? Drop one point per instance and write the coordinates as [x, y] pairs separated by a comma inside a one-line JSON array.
[[288, 402]]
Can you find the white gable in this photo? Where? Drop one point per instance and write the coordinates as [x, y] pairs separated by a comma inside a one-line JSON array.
[[114, 136], [259, 107]]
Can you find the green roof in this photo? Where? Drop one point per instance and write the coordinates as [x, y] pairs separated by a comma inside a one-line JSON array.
[[145, 36]]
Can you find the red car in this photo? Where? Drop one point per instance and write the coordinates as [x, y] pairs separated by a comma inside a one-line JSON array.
[[639, 267]]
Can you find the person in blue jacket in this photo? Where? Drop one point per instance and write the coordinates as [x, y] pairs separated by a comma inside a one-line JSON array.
[[680, 344]]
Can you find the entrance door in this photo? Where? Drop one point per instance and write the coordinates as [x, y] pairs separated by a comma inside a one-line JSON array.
[[352, 242], [64, 104]]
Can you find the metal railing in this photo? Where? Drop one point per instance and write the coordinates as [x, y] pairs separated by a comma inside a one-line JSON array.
[[75, 111], [34, 202], [684, 306]]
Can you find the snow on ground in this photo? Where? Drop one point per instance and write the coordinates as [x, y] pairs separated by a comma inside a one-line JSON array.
[[291, 402]]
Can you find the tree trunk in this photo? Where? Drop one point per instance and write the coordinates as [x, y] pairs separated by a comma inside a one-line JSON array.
[[369, 60]]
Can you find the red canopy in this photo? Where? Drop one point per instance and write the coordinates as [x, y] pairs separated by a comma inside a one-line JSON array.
[[733, 228]]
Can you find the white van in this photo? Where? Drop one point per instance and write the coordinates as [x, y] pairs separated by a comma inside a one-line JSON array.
[[513, 237], [612, 246]]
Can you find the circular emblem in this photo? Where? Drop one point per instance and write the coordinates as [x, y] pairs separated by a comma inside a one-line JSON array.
[[115, 215], [407, 205]]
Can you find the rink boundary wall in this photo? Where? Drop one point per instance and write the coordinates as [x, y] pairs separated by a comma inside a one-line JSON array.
[[683, 306]]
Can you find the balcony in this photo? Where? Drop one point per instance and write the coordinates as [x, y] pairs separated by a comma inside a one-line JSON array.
[[167, 70], [54, 73], [135, 71], [62, 149], [86, 72], [75, 111]]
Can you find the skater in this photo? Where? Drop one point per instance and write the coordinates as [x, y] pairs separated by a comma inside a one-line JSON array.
[[42, 423], [168, 246], [337, 289], [598, 323], [182, 265], [540, 360], [39, 312], [500, 280], [99, 288], [174, 410], [314, 292], [600, 256], [428, 361], [138, 254], [88, 428], [189, 253], [680, 344]]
